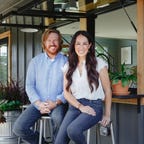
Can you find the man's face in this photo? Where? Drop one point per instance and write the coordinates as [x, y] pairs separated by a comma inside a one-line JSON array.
[[52, 45]]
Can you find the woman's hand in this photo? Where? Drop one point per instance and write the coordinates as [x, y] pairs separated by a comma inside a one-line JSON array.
[[105, 120], [87, 109]]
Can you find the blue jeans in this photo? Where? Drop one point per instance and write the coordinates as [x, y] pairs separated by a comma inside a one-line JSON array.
[[27, 119], [76, 122]]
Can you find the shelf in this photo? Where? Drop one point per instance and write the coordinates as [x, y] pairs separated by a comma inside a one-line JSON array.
[[131, 96]]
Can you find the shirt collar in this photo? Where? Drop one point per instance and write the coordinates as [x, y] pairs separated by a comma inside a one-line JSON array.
[[46, 56]]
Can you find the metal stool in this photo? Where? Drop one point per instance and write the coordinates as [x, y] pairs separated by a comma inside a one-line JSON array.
[[98, 134], [43, 127]]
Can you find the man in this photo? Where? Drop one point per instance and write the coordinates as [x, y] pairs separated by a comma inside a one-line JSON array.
[[44, 87]]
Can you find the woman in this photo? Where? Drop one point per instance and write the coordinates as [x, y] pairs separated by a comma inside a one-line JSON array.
[[86, 85]]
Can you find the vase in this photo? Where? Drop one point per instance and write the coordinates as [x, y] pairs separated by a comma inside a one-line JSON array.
[[118, 89], [6, 134]]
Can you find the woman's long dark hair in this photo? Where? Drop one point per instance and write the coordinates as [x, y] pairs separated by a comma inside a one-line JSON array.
[[91, 62]]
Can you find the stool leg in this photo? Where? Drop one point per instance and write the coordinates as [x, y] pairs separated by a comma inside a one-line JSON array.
[[19, 140], [44, 129], [88, 136], [98, 141], [36, 126], [50, 130], [47, 124], [97, 135], [112, 133], [40, 131]]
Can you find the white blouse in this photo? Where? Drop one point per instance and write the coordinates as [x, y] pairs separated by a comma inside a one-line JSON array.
[[80, 86]]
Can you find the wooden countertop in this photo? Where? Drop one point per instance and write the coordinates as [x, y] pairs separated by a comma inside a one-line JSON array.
[[127, 99]]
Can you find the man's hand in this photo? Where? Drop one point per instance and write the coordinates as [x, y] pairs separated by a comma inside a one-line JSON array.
[[51, 104], [43, 107]]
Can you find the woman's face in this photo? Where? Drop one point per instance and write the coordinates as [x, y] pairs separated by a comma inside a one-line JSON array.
[[82, 46], [52, 44]]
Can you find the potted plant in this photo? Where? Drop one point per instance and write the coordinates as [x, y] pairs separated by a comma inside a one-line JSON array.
[[122, 79], [12, 97]]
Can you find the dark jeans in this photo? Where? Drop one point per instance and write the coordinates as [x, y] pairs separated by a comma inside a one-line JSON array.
[[76, 122], [27, 119]]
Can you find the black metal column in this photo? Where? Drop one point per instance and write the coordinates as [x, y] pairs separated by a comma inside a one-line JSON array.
[[91, 25]]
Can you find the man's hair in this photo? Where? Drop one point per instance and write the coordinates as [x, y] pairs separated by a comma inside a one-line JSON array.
[[46, 34]]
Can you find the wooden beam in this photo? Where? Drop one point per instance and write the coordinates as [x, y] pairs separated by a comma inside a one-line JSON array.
[[85, 5], [140, 48], [88, 23], [83, 25], [47, 21]]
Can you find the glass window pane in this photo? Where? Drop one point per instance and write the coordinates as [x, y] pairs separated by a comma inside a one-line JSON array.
[[3, 60]]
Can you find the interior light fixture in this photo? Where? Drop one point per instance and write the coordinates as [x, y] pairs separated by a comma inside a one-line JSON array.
[[29, 30]]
